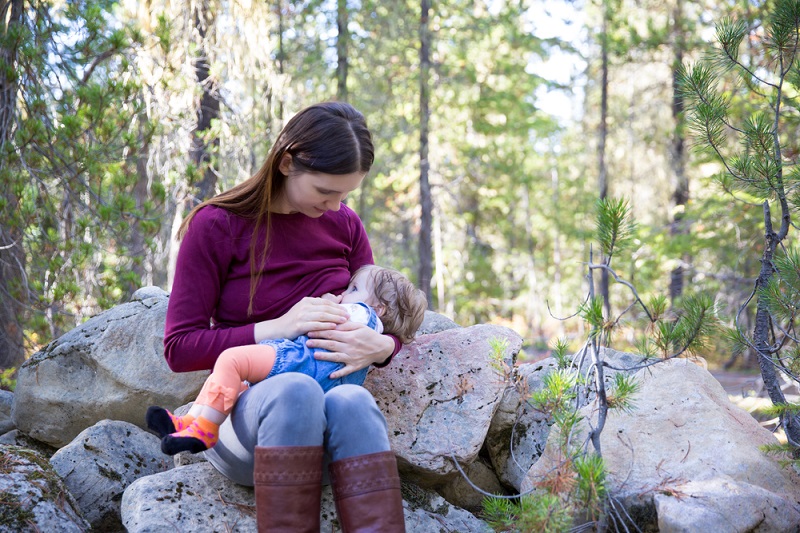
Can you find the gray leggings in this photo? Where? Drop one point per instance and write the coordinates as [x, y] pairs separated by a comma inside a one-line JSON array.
[[292, 410]]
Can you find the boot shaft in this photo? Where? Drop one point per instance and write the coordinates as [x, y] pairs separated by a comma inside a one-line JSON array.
[[366, 490], [288, 488]]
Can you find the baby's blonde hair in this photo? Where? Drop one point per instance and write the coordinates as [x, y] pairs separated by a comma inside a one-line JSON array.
[[403, 304]]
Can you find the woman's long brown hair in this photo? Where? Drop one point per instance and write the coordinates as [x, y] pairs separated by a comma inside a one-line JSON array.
[[330, 137]]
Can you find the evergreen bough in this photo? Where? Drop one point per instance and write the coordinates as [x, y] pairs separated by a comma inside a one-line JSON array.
[[759, 166]]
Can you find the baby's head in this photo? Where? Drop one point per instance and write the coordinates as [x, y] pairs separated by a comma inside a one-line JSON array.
[[399, 304]]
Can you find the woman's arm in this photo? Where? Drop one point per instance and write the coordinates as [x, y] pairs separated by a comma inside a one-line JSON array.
[[306, 315], [355, 345], [190, 341]]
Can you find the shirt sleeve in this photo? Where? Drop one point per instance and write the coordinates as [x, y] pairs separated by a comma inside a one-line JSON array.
[[397, 347], [190, 341]]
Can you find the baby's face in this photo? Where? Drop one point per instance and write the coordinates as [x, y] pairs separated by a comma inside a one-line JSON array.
[[361, 289]]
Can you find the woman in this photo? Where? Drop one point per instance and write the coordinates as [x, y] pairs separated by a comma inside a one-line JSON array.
[[253, 265]]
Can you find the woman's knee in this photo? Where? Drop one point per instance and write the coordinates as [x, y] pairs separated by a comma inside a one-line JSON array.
[[353, 406], [348, 400], [293, 389], [355, 424], [290, 410]]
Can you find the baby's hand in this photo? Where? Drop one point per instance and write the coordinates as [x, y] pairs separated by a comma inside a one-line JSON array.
[[332, 297]]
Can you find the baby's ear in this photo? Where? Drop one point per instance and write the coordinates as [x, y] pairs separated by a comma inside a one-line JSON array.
[[380, 309]]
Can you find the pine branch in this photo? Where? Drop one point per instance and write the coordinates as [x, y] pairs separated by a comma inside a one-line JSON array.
[[730, 34], [618, 279]]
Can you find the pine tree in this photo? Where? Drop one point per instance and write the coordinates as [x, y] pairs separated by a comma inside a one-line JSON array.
[[759, 167], [70, 168], [13, 290]]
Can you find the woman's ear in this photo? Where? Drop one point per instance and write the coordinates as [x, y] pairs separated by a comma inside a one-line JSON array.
[[286, 164]]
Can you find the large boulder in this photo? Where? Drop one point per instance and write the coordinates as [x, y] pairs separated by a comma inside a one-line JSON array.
[[193, 498], [439, 397], [100, 463], [197, 498], [687, 459], [519, 431], [111, 367], [33, 496], [6, 402], [434, 323]]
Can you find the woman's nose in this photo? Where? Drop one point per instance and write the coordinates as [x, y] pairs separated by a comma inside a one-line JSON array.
[[335, 204]]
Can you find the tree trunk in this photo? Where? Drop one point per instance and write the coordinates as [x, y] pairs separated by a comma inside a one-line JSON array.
[[281, 60], [13, 282], [680, 194], [202, 148], [425, 247], [601, 143], [341, 51], [761, 334], [555, 289], [137, 247]]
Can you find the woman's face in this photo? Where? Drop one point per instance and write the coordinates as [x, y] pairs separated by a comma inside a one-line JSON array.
[[313, 193]]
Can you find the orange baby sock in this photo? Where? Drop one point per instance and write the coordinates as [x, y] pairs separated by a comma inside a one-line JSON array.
[[163, 422], [200, 435]]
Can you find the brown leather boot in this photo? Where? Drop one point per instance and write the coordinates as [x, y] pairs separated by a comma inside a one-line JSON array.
[[366, 489], [288, 485]]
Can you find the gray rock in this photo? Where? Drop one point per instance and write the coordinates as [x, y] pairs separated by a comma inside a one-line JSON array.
[[521, 428], [427, 512], [519, 431], [116, 356], [34, 497], [723, 504], [16, 438], [434, 323], [460, 491], [186, 458], [6, 401], [101, 462], [439, 396], [193, 498], [686, 454], [148, 293], [197, 498]]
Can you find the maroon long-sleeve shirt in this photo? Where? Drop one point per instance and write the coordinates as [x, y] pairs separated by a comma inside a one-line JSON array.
[[207, 310]]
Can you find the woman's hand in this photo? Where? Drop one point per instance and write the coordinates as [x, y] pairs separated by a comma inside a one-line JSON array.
[[351, 343], [309, 314]]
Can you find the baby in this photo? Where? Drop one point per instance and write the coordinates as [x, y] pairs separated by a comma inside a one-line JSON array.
[[380, 298]]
